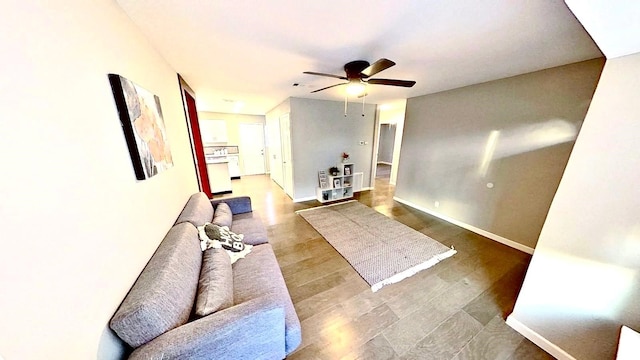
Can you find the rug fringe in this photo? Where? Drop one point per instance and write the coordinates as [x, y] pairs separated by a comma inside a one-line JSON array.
[[324, 206], [413, 270]]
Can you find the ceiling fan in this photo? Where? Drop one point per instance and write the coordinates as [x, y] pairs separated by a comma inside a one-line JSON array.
[[358, 75]]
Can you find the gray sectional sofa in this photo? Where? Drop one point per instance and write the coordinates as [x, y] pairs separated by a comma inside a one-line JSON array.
[[158, 319]]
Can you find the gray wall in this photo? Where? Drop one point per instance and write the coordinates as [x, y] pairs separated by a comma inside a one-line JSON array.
[[583, 281], [320, 133], [387, 139], [514, 134]]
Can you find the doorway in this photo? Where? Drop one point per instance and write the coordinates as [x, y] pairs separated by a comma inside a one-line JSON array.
[[385, 151], [287, 162], [274, 146], [252, 149], [387, 143], [196, 140]]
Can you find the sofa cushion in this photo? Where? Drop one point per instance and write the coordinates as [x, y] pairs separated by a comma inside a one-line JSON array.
[[197, 211], [222, 216], [259, 274], [238, 204], [251, 226], [215, 287], [162, 297]]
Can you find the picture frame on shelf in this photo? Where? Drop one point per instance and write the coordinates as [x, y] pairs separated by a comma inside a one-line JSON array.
[[323, 179], [347, 170], [336, 183]]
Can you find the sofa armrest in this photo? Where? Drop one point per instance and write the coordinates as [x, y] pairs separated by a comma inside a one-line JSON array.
[[238, 204], [251, 330]]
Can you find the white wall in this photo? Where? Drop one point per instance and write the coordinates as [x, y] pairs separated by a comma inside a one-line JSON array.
[[77, 227], [583, 281], [490, 156]]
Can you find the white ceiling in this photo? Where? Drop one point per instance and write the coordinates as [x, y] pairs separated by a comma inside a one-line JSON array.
[[613, 24], [254, 51]]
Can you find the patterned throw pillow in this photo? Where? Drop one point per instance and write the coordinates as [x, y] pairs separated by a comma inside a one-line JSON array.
[[220, 237], [228, 239]]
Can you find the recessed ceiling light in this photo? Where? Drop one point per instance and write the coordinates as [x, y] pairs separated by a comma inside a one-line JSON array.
[[238, 106]]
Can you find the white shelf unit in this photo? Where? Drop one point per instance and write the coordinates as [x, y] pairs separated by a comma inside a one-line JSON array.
[[340, 186]]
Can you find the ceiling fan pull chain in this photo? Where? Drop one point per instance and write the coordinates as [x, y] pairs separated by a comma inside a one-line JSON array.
[[345, 106], [365, 95]]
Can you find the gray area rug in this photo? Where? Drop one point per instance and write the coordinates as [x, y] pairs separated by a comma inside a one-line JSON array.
[[383, 251]]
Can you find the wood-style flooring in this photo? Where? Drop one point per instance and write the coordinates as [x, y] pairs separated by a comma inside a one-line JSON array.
[[383, 171], [454, 310]]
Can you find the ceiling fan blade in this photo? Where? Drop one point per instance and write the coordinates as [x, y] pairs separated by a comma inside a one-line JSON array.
[[376, 67], [328, 87], [392, 82], [323, 74]]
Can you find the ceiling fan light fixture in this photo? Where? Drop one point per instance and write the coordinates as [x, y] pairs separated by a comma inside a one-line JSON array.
[[358, 76], [356, 88]]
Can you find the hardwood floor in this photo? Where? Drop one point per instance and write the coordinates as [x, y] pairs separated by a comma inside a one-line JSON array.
[[454, 310], [383, 171]]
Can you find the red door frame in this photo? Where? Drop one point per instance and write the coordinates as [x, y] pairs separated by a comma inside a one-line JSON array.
[[196, 142]]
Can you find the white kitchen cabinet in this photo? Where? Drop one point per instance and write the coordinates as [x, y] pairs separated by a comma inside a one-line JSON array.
[[234, 166], [214, 132], [219, 178]]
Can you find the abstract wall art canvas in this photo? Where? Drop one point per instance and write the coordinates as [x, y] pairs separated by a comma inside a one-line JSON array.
[[143, 126]]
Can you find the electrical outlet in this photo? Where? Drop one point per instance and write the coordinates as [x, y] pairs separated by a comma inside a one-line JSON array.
[[437, 204]]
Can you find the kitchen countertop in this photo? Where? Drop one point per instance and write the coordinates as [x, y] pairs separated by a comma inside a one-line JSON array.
[[217, 161]]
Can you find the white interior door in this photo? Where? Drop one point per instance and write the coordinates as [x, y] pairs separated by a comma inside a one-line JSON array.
[[252, 149], [275, 150], [287, 162]]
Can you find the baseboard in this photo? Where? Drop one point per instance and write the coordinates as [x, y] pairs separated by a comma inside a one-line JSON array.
[[538, 339], [476, 230], [304, 199]]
